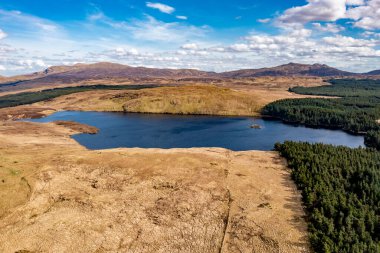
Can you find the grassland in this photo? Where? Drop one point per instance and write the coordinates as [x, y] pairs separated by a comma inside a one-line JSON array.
[[200, 99], [175, 100], [137, 200], [56, 196], [33, 97]]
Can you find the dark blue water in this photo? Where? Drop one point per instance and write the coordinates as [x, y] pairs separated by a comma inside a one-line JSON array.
[[175, 131]]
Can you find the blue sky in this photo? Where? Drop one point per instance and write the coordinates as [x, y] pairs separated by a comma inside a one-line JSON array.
[[209, 35]]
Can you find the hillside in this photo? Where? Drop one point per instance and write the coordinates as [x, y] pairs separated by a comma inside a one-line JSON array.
[[374, 72], [104, 72], [112, 73], [291, 69], [208, 100], [138, 200]]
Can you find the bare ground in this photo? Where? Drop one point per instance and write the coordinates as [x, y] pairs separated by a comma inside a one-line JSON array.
[[56, 196]]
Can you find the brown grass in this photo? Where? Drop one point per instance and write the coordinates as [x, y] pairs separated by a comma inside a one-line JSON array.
[[210, 100], [56, 196], [174, 100], [78, 127]]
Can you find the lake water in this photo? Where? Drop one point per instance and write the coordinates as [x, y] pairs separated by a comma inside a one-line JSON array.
[[177, 131]]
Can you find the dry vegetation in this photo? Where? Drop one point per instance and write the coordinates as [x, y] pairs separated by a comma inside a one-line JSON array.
[[56, 196], [176, 100], [190, 100], [257, 83]]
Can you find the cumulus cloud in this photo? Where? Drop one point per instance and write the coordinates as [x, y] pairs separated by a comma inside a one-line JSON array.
[[368, 34], [155, 43], [161, 7], [190, 46], [2, 34], [345, 41], [329, 27], [264, 20], [31, 63], [315, 10], [366, 16], [355, 2], [120, 51], [182, 17]]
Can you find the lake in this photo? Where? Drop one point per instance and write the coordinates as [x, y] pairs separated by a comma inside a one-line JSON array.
[[183, 131]]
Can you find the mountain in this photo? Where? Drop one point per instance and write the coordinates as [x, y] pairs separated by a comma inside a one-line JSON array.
[[291, 69], [108, 73], [103, 72], [374, 72]]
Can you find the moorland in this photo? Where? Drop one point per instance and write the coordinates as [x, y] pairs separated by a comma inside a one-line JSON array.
[[57, 196]]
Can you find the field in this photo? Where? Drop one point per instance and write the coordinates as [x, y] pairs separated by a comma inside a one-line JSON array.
[[137, 200], [209, 200], [33, 97]]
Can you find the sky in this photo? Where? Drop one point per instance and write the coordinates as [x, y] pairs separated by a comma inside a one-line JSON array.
[[212, 35]]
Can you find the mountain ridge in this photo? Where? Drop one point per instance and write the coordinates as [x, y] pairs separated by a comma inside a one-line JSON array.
[[107, 71], [290, 69]]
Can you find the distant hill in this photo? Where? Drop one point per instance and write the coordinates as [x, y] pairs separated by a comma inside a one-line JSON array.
[[107, 73], [99, 71], [374, 72], [291, 69]]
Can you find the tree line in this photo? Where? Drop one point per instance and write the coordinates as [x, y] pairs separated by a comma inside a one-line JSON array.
[[34, 97], [356, 111], [340, 186], [341, 192]]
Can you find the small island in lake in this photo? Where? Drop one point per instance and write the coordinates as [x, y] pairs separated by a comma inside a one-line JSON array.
[[256, 126]]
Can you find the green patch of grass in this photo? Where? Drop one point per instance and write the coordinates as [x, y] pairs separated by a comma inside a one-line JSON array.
[[14, 172]]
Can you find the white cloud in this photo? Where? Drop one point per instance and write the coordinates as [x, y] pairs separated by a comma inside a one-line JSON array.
[[155, 43], [182, 17], [25, 22], [47, 27], [329, 27], [120, 51], [2, 34], [366, 16], [190, 46], [152, 29], [355, 2], [264, 20], [315, 10], [161, 7], [32, 63], [344, 41], [368, 34]]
